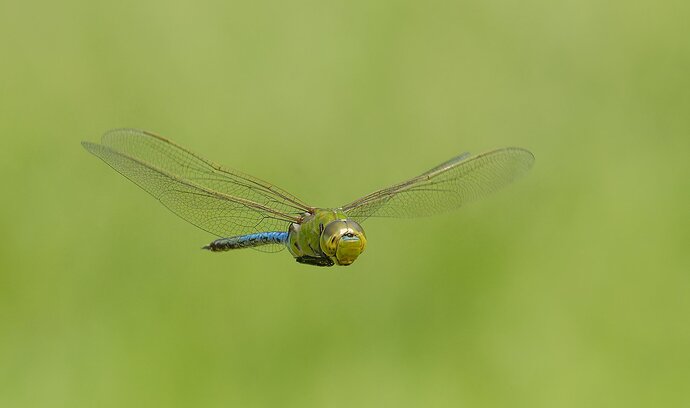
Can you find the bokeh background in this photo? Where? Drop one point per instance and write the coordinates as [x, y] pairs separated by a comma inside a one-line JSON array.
[[568, 289]]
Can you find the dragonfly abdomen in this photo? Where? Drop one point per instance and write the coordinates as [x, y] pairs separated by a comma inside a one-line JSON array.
[[247, 241]]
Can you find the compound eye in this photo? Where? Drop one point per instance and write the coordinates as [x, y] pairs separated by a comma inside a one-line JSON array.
[[354, 228], [331, 234]]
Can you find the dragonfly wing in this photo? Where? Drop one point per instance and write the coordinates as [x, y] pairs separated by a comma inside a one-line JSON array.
[[220, 201], [445, 187]]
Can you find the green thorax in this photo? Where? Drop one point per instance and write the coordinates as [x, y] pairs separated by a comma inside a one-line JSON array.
[[326, 235], [304, 238]]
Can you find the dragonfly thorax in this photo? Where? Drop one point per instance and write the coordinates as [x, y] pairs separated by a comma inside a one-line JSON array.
[[326, 237]]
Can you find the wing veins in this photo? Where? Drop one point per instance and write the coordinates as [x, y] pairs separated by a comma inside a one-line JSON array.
[[466, 179], [209, 193], [219, 170]]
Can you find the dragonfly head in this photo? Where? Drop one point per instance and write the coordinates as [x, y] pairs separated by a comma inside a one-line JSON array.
[[343, 241]]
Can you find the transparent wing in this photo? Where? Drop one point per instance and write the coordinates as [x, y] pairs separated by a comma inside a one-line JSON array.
[[221, 201], [445, 187]]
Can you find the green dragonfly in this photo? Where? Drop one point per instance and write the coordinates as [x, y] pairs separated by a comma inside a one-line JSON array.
[[245, 212]]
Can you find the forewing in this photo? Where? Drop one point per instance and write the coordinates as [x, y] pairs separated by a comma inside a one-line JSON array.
[[220, 201], [445, 187]]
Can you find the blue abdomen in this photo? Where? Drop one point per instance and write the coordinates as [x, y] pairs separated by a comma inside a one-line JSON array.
[[248, 241]]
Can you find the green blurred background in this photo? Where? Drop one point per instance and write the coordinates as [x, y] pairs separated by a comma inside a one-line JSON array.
[[568, 289]]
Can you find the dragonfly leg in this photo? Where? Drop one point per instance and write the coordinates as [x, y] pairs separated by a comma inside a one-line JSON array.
[[314, 260]]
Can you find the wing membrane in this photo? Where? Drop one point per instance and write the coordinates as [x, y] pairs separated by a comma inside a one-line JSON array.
[[218, 200], [445, 187]]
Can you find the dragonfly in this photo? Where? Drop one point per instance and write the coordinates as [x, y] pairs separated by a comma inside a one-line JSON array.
[[245, 212]]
